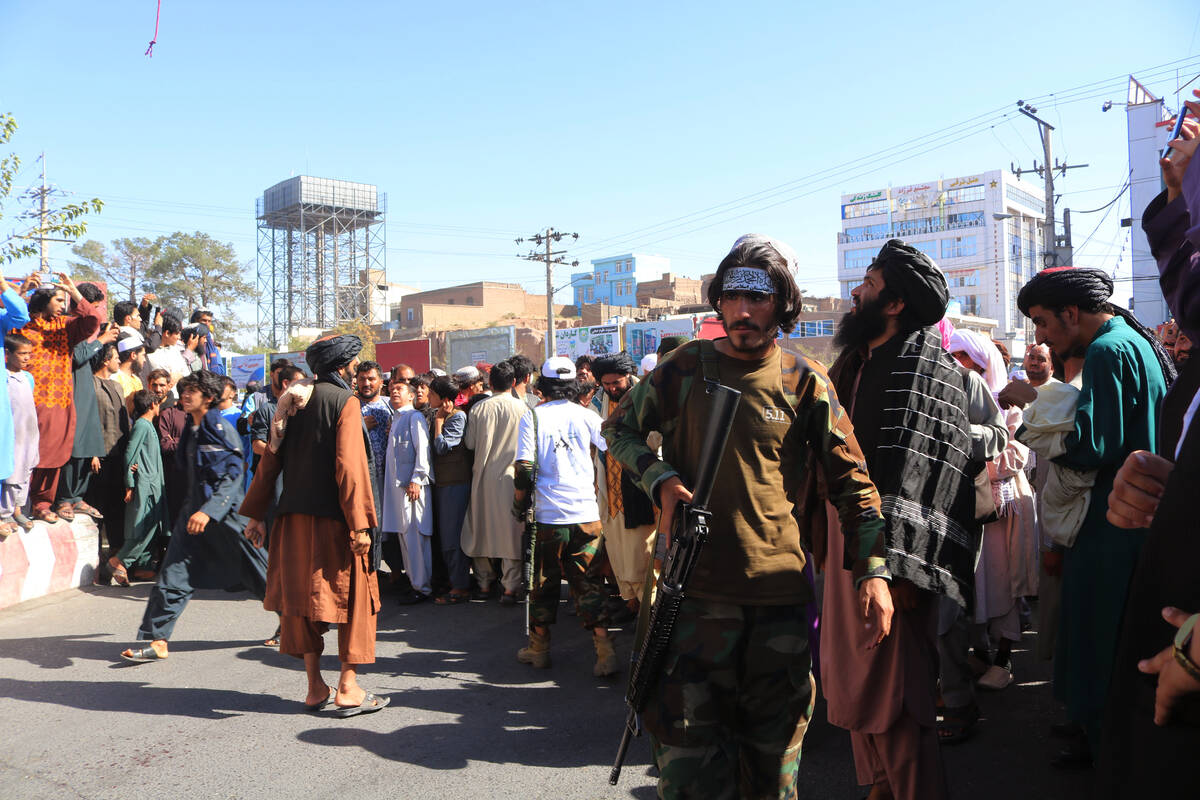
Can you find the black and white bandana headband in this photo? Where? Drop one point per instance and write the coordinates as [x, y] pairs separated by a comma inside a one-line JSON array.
[[785, 251], [748, 279]]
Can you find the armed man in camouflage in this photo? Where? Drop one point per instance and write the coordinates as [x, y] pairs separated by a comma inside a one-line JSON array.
[[728, 715]]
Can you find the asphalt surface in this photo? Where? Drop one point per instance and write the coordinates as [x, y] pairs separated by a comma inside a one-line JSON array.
[[222, 717]]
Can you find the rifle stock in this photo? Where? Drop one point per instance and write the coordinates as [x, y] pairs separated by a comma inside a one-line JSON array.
[[688, 535]]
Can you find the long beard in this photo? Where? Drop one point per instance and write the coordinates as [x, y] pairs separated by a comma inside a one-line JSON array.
[[859, 327]]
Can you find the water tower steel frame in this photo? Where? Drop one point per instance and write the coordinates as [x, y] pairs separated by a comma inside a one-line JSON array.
[[321, 253]]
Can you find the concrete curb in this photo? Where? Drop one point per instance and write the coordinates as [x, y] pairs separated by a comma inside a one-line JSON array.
[[48, 559]]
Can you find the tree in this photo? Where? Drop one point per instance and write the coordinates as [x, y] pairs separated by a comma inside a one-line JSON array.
[[124, 268], [65, 222], [193, 270], [363, 331]]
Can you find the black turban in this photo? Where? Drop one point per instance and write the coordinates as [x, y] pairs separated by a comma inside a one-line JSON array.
[[915, 279], [1088, 290], [620, 363], [331, 353], [669, 343]]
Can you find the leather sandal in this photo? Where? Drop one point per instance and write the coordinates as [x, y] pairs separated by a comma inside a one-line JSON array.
[[118, 572], [45, 515], [65, 511]]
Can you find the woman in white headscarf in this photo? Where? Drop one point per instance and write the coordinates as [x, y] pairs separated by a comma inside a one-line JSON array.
[[1008, 563]]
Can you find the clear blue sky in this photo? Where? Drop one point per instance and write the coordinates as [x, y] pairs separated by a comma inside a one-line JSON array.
[[484, 121]]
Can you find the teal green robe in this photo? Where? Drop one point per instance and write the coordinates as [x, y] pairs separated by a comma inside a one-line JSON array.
[[146, 512], [1122, 392]]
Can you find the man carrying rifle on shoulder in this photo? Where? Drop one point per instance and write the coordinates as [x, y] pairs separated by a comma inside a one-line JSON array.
[[728, 711]]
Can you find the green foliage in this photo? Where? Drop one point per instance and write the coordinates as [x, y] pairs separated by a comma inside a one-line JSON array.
[[64, 222], [363, 331], [124, 268]]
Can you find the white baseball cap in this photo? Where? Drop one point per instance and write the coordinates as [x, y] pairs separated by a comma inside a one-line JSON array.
[[559, 367]]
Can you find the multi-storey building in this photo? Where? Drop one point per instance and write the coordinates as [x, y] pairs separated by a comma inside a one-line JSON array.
[[983, 230], [614, 280]]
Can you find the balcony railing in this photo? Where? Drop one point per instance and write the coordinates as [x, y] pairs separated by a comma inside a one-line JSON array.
[[907, 230]]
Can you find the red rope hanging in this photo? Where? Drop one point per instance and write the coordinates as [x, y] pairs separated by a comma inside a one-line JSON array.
[[150, 49]]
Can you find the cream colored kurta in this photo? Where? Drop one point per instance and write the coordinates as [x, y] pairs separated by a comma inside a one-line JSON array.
[[628, 549], [490, 530]]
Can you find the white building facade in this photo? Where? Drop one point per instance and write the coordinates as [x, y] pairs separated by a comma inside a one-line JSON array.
[[983, 230]]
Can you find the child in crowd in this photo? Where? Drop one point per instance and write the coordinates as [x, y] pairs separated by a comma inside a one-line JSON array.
[[17, 352], [146, 512]]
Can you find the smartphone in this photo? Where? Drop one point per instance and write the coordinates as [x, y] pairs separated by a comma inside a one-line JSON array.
[[1178, 129], [47, 278]]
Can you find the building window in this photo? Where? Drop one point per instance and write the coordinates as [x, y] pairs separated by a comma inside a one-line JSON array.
[[854, 210], [959, 247], [967, 194], [470, 300], [964, 220], [867, 232], [1021, 197], [929, 247], [815, 327], [410, 315], [860, 258]]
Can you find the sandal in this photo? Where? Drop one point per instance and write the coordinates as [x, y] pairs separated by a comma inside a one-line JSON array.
[[45, 515], [88, 510], [274, 642], [65, 511], [118, 571], [7, 528], [143, 655], [144, 574], [370, 704], [313, 708], [452, 598], [22, 520], [956, 724]]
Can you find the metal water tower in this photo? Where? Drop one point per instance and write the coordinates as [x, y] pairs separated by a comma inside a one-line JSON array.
[[321, 254]]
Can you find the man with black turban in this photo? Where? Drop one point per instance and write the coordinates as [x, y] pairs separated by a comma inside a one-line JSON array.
[[320, 570], [921, 421], [626, 514], [1124, 380]]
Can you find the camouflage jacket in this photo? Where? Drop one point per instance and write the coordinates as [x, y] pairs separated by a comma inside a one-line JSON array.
[[820, 438]]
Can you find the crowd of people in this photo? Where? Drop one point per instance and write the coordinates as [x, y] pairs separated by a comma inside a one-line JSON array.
[[888, 528]]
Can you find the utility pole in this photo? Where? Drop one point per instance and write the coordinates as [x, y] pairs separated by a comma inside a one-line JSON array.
[[548, 239], [45, 257], [1056, 253]]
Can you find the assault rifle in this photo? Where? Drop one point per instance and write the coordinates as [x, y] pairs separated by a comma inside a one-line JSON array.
[[689, 531]]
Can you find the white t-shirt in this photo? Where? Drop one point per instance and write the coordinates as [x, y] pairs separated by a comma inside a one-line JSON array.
[[566, 489]]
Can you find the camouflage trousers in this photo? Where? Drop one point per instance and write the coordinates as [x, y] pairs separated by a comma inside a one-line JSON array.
[[730, 710], [566, 552]]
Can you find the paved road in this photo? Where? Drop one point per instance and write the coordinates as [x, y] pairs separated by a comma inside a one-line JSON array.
[[220, 718]]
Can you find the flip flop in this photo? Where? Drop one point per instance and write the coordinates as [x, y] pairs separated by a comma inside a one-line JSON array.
[[370, 704], [312, 708], [143, 656]]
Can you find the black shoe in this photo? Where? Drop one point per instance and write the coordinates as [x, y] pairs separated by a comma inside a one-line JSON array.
[[483, 594], [411, 598], [1066, 730], [1077, 755]]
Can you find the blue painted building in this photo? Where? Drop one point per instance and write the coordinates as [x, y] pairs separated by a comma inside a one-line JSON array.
[[614, 279]]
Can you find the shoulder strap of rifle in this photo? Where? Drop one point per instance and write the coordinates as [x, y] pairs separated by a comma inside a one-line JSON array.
[[709, 368]]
